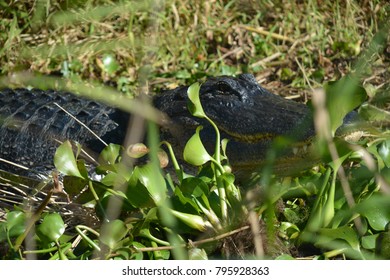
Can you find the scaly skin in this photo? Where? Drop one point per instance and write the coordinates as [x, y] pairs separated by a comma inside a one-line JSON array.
[[246, 114], [31, 124]]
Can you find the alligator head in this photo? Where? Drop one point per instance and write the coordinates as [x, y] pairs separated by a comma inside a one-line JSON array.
[[246, 114]]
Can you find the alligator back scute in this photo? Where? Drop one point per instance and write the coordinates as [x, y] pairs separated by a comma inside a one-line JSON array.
[[32, 125]]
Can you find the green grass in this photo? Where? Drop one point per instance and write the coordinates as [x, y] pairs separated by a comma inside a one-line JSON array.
[[334, 211]]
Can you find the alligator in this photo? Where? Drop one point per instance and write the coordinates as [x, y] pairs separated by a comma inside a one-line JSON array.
[[34, 122]]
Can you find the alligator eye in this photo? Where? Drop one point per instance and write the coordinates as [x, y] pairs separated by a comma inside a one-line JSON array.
[[223, 88]]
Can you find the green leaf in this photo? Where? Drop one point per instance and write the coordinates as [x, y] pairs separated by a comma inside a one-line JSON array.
[[341, 98], [194, 106], [109, 64], [146, 187], [183, 74], [197, 254], [16, 221], [137, 194], [194, 152], [368, 242], [138, 255], [113, 232], [3, 231], [51, 228], [113, 179], [193, 186], [285, 257], [376, 210], [384, 152], [65, 161], [74, 187], [377, 217], [183, 203], [153, 181], [110, 154], [345, 233], [373, 113], [193, 221], [224, 143]]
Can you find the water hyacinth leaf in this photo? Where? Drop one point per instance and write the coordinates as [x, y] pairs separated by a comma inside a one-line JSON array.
[[377, 217], [113, 179], [345, 233], [373, 113], [368, 242], [193, 186], [65, 161], [51, 228], [193, 221], [376, 210], [342, 97], [194, 152], [138, 255], [153, 181], [384, 152], [145, 232], [183, 203], [197, 254], [82, 168], [194, 106], [137, 193], [110, 154], [146, 188], [74, 187], [208, 212], [233, 193], [113, 232], [162, 254], [224, 144], [15, 223], [290, 229]]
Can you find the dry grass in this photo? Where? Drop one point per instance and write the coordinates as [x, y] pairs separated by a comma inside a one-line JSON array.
[[177, 42]]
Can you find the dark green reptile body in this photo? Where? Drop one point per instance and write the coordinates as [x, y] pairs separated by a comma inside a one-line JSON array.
[[246, 114]]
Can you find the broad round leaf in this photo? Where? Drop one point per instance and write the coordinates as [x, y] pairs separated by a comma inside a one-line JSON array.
[[151, 178], [194, 152], [15, 223], [193, 186], [377, 217], [194, 106], [65, 161], [341, 98], [52, 228], [110, 154], [326, 235], [376, 210], [113, 232]]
